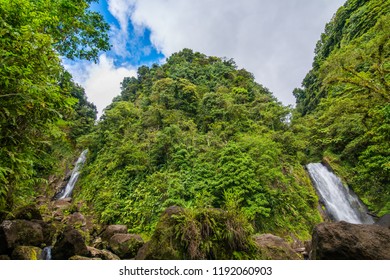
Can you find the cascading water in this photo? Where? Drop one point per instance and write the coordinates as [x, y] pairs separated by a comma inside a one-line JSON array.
[[67, 191], [46, 253], [340, 202]]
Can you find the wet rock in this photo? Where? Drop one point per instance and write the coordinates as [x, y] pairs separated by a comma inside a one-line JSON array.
[[125, 246], [69, 243], [26, 253], [20, 232], [275, 248], [345, 241]]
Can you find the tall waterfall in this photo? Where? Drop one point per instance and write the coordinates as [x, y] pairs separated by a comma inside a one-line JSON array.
[[340, 202], [67, 191]]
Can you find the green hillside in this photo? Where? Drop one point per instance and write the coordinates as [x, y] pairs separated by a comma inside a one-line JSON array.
[[199, 133], [345, 100]]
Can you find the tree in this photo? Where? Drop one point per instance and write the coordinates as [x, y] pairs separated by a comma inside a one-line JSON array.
[[35, 98]]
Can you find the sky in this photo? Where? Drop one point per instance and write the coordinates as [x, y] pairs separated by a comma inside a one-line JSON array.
[[273, 39]]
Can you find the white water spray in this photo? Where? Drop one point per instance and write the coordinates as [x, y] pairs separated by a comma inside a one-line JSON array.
[[340, 202], [67, 191]]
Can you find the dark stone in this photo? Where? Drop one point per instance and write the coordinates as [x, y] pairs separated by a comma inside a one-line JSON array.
[[143, 252], [111, 230], [345, 241], [48, 231], [19, 232], [69, 243], [384, 221], [275, 248], [125, 246]]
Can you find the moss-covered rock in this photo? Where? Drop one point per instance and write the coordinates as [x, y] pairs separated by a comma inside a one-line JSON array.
[[26, 253], [111, 230], [28, 212], [125, 246]]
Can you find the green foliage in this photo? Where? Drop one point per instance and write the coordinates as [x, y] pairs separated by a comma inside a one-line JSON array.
[[346, 96], [351, 22], [202, 234], [42, 111], [198, 133]]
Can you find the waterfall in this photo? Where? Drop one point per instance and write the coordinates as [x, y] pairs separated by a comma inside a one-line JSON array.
[[46, 253], [340, 202], [67, 191]]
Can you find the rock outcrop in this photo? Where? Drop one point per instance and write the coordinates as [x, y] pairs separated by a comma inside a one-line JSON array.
[[345, 241]]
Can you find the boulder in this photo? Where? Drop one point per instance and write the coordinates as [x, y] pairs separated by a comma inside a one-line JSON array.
[[144, 252], [384, 221], [26, 253], [48, 230], [19, 232], [102, 254], [125, 245], [111, 230], [76, 220], [29, 212], [69, 243], [275, 248], [345, 241]]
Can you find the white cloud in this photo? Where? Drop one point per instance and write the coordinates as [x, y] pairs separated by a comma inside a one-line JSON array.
[[101, 81], [273, 39], [121, 9]]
